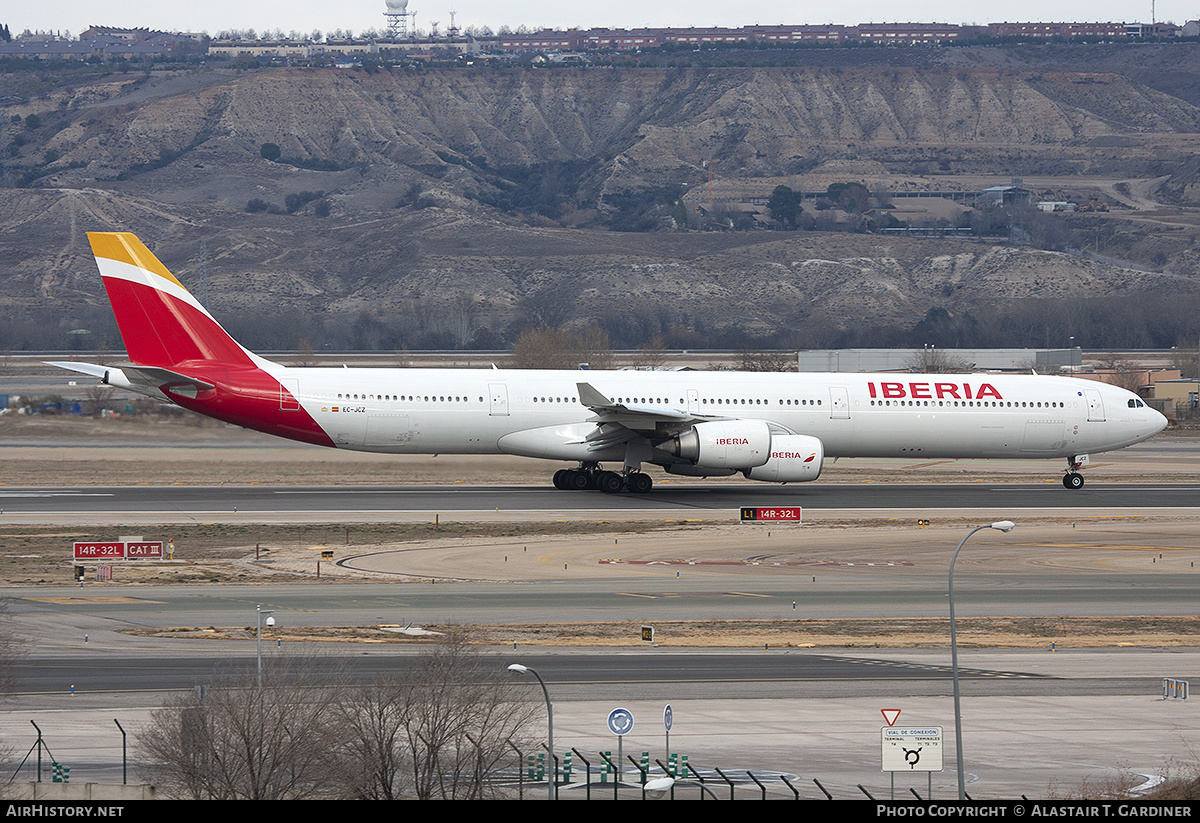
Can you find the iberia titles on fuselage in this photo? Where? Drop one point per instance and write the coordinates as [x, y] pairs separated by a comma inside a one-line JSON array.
[[776, 427]]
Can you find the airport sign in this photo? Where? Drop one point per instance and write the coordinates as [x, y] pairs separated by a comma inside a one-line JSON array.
[[119, 550], [755, 514], [912, 749]]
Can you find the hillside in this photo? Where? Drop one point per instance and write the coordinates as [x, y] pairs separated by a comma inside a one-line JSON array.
[[632, 128], [462, 205]]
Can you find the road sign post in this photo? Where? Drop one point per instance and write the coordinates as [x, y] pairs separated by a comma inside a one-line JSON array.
[[620, 723], [911, 749]]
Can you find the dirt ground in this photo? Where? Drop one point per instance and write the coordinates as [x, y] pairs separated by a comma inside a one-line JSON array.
[[976, 632], [726, 555], [46, 450]]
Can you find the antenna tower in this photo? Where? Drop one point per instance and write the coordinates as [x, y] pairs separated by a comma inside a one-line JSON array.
[[397, 19]]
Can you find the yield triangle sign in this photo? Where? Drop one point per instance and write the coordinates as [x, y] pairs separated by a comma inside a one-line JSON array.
[[890, 715]]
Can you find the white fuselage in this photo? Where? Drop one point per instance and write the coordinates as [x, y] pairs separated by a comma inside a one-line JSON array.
[[427, 411]]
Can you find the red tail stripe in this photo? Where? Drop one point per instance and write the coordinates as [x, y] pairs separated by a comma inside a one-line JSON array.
[[162, 330]]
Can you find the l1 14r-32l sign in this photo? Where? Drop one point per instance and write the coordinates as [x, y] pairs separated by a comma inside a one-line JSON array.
[[753, 514]]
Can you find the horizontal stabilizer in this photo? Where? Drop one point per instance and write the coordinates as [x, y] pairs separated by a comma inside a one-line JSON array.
[[83, 368], [135, 378]]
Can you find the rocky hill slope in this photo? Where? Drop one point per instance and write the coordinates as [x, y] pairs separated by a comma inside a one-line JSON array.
[[404, 244]]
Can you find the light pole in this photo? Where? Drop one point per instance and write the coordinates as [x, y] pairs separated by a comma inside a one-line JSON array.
[[261, 612], [1000, 525], [517, 668]]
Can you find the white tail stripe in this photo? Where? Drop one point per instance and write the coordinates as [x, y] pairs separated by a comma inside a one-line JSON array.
[[120, 270]]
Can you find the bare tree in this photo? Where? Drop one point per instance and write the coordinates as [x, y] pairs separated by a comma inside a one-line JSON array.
[[97, 398], [306, 357], [1125, 373], [460, 719], [242, 739], [592, 347], [543, 348], [750, 359], [438, 731], [561, 348], [1185, 357], [933, 360], [653, 353]]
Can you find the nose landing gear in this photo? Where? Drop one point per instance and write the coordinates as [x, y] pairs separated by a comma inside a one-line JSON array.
[[1073, 479]]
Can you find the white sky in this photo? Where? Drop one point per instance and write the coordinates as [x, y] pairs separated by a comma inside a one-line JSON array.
[[358, 15]]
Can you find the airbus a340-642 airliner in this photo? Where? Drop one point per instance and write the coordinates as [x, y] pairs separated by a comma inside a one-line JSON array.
[[776, 427]]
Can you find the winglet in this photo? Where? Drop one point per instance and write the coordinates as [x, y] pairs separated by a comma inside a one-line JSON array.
[[591, 398]]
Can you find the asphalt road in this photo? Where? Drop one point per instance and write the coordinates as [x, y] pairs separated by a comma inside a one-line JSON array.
[[368, 503], [106, 672]]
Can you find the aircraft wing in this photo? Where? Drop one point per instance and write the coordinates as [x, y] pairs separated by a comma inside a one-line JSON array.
[[620, 422]]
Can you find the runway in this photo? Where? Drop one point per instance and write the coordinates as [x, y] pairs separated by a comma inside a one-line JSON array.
[[169, 504]]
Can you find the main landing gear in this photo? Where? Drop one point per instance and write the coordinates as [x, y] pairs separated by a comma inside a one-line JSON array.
[[1072, 479], [591, 476]]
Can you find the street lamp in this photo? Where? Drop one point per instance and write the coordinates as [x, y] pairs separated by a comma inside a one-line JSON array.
[[517, 668], [261, 612], [1000, 525]]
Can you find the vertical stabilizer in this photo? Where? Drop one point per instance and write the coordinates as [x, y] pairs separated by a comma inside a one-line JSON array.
[[161, 323]]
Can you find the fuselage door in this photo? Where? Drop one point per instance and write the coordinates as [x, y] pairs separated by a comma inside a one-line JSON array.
[[388, 429], [839, 403], [499, 396], [1095, 405], [693, 401], [289, 394]]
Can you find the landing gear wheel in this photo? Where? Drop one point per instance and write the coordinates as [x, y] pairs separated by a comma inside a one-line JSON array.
[[560, 479], [610, 482], [577, 481], [639, 483], [1073, 480]]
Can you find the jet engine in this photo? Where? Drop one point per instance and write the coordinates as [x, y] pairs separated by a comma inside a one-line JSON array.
[[795, 458], [724, 444]]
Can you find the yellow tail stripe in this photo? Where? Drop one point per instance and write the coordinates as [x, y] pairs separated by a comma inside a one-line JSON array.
[[126, 248]]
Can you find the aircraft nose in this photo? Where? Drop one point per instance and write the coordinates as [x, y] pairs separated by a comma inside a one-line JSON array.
[[1157, 423]]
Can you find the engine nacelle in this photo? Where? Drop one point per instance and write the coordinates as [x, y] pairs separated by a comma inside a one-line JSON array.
[[795, 458], [724, 444], [688, 470]]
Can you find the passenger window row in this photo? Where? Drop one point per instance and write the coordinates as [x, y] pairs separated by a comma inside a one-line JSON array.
[[407, 398], [980, 404]]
